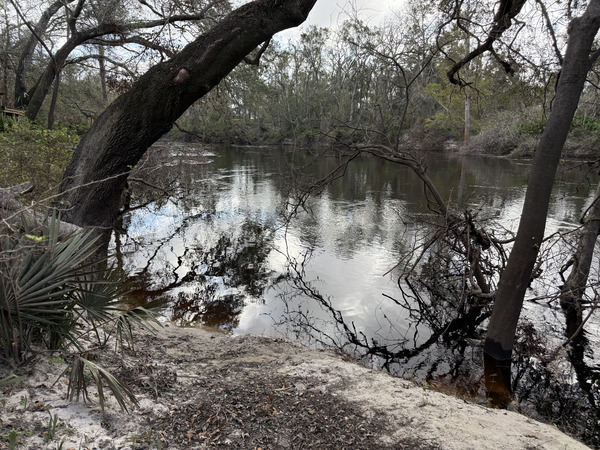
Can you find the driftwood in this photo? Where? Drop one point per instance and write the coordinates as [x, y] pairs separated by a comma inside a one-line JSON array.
[[14, 213]]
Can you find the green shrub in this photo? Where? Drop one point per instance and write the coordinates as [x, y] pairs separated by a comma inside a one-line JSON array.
[[56, 295], [580, 125], [533, 127], [73, 128], [585, 124], [30, 153]]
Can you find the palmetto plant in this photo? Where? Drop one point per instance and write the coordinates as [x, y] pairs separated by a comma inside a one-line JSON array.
[[38, 278], [53, 291]]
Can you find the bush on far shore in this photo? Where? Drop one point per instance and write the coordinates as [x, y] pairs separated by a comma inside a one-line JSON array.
[[520, 139]]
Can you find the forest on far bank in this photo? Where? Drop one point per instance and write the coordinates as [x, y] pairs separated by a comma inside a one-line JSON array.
[[354, 82]]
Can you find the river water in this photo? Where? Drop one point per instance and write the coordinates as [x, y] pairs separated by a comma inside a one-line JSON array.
[[210, 239], [215, 245]]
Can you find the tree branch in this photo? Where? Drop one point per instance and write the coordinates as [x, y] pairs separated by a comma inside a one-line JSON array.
[[507, 10], [134, 40], [104, 57], [32, 29], [256, 59]]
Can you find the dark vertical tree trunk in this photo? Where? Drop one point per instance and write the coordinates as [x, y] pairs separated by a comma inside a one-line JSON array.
[[94, 180], [27, 53], [4, 62], [516, 277], [467, 131], [52, 109], [42, 87], [572, 292]]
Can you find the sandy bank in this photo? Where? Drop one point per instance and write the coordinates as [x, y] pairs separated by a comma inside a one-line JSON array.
[[199, 389]]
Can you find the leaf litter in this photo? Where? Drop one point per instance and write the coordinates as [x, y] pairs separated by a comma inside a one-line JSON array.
[[199, 389]]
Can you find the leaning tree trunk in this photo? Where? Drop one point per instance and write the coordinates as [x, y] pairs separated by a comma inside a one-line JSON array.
[[95, 178], [102, 64], [516, 277], [27, 53], [40, 91], [52, 109]]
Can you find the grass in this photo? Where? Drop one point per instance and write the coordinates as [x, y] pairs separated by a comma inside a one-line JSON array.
[[51, 431]]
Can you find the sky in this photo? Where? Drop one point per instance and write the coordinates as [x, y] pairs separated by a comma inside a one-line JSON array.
[[328, 13]]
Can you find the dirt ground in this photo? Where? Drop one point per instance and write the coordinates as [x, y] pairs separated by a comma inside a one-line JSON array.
[[199, 389]]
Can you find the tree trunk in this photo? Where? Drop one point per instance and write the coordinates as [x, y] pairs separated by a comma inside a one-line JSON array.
[[4, 61], [516, 277], [27, 53], [467, 131], [571, 296], [40, 91], [102, 64], [571, 293], [94, 180], [52, 108]]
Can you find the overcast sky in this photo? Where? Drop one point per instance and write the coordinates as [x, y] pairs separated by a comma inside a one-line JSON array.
[[328, 13]]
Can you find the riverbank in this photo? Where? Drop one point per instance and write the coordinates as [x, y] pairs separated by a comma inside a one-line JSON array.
[[200, 389]]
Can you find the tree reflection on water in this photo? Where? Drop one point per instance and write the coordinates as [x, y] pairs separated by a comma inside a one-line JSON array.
[[206, 237], [218, 280]]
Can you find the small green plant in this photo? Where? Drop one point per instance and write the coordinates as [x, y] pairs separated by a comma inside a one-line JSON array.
[[78, 383], [133, 439], [10, 380], [12, 436], [533, 127], [51, 431], [12, 439]]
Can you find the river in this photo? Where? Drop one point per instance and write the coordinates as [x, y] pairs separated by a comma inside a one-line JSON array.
[[216, 247], [221, 224]]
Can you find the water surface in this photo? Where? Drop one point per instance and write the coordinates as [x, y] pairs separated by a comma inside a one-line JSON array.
[[216, 245]]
